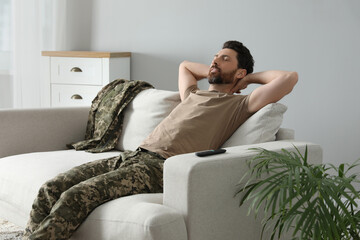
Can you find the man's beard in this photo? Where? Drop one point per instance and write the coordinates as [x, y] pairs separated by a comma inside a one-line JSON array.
[[221, 78]]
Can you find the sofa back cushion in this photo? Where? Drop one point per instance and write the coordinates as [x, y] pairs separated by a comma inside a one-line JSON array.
[[151, 106], [143, 114], [260, 127]]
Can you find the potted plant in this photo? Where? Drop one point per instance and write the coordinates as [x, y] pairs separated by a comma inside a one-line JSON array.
[[302, 198]]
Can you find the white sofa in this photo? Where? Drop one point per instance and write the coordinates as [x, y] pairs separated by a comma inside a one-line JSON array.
[[198, 202]]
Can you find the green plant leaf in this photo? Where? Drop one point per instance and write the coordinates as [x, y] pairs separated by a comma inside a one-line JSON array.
[[328, 221], [326, 193], [341, 170]]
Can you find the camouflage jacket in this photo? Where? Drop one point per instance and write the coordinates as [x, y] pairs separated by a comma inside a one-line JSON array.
[[106, 115]]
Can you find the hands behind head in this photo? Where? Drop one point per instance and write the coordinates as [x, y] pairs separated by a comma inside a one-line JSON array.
[[241, 84]]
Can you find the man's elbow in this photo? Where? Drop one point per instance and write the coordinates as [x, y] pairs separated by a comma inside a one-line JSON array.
[[293, 78], [183, 64]]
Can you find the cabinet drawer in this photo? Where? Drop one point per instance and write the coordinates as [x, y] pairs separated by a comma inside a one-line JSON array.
[[73, 95], [68, 70]]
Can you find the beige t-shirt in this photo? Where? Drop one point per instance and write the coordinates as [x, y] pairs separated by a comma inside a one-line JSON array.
[[203, 120]]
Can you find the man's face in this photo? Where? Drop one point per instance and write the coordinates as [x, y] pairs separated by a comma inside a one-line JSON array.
[[223, 67]]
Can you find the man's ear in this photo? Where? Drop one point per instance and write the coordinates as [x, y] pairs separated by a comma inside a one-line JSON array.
[[241, 72]]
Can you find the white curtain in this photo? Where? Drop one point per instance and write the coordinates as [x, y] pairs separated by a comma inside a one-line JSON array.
[[5, 54], [37, 25]]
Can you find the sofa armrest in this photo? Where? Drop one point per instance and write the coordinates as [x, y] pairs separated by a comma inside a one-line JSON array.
[[202, 189], [42, 129], [285, 134]]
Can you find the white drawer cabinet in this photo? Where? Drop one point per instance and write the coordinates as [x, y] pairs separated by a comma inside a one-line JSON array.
[[74, 78]]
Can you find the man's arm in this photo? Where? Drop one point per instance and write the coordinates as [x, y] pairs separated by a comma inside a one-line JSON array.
[[189, 74], [275, 85]]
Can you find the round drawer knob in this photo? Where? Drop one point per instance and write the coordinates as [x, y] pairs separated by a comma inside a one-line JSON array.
[[76, 97], [76, 69]]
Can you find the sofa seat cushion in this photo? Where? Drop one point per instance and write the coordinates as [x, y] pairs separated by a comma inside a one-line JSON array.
[[22, 175], [137, 217]]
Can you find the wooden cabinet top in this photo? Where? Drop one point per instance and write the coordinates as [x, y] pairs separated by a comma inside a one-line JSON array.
[[85, 54]]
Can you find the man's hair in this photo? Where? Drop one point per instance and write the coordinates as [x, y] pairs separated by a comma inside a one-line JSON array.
[[244, 57]]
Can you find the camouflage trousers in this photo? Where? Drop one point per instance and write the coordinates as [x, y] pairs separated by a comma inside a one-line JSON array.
[[65, 201]]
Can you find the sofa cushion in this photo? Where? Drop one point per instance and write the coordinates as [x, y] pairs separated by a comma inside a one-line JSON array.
[[137, 217], [133, 217], [143, 114], [260, 127], [22, 175], [151, 106]]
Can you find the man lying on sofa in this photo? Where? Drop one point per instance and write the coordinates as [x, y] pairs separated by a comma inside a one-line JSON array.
[[203, 120]]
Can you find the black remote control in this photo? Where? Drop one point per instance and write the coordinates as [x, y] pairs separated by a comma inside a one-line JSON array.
[[210, 152]]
